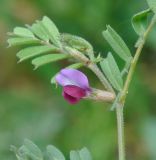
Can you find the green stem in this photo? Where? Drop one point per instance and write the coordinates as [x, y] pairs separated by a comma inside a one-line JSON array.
[[91, 65], [119, 108], [120, 128], [135, 60]]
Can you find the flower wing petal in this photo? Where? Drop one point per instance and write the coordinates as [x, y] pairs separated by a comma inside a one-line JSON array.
[[74, 91], [70, 99]]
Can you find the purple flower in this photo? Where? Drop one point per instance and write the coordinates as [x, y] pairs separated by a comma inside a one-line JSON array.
[[75, 85]]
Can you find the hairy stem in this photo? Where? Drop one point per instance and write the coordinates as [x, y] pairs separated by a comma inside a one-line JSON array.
[[120, 128], [135, 60], [91, 65], [119, 108], [101, 95]]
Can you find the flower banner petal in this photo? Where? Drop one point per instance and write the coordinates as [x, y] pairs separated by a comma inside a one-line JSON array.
[[72, 77]]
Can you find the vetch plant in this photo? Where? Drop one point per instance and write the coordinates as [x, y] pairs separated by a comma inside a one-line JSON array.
[[49, 45]]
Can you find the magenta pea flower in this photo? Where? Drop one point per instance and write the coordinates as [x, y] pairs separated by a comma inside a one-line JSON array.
[[75, 85]]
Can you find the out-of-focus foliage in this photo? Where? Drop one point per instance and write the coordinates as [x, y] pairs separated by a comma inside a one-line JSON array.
[[30, 107], [29, 150]]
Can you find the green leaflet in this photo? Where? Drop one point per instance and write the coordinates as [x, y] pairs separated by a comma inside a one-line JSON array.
[[30, 52], [152, 5], [117, 43], [75, 66], [53, 153], [24, 154], [23, 32], [39, 31], [74, 155], [82, 154], [85, 154], [51, 31], [112, 72], [15, 150], [139, 21], [40, 61], [29, 150], [22, 41], [77, 43]]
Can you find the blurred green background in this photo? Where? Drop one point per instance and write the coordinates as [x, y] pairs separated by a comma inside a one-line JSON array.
[[30, 107]]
